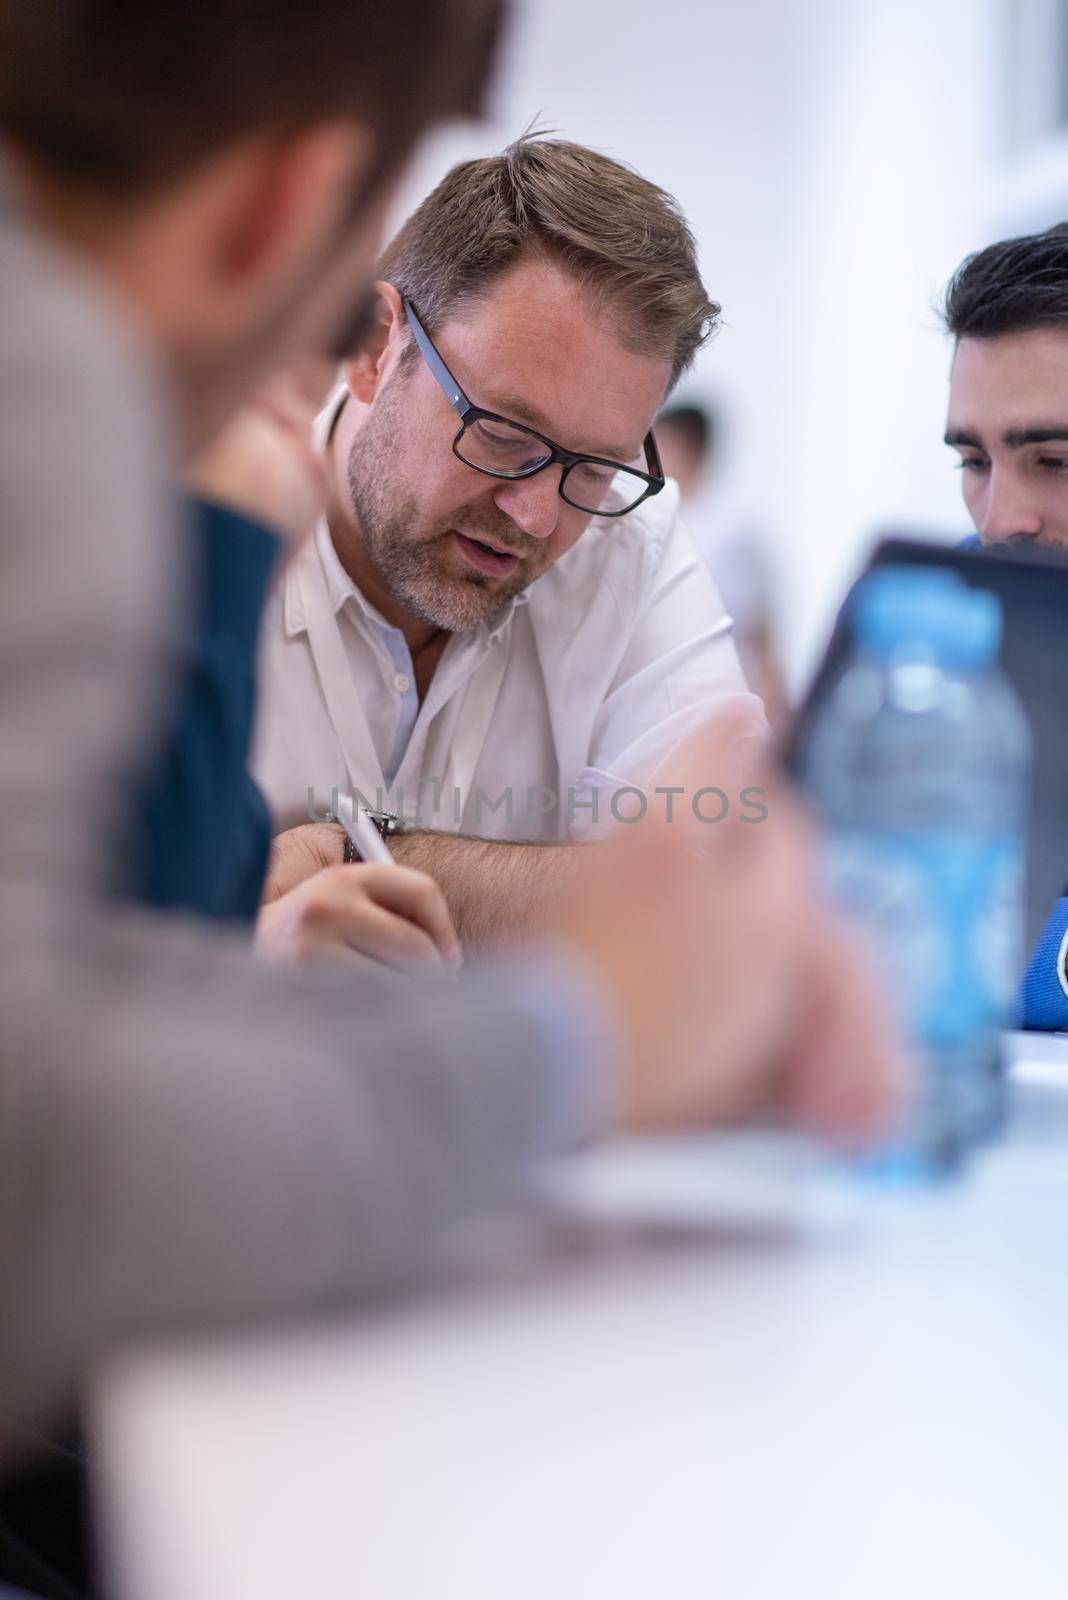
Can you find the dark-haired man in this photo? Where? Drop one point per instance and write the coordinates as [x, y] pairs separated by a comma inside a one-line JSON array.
[[1007, 309]]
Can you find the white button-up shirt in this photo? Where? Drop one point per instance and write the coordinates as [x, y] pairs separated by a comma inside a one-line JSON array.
[[533, 722]]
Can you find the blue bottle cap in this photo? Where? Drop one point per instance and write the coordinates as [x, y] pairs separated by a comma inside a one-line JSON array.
[[903, 606]]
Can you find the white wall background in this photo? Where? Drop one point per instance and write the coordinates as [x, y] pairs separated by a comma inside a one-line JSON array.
[[836, 159]]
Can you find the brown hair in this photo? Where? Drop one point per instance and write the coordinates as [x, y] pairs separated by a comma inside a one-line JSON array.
[[622, 237], [122, 97], [1011, 287]]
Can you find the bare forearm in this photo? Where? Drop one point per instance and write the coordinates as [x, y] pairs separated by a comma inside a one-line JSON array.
[[497, 892]]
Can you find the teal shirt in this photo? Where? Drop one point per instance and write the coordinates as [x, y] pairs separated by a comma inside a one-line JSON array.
[[203, 824]]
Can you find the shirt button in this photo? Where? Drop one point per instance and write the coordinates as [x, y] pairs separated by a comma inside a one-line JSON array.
[[401, 682]]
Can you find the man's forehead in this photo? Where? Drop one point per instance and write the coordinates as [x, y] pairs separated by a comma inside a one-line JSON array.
[[1012, 364], [537, 347], [1009, 383]]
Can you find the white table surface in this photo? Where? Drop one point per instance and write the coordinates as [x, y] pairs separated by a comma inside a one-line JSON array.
[[722, 1380]]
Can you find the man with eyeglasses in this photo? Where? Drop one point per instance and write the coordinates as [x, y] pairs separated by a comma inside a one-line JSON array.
[[501, 631]]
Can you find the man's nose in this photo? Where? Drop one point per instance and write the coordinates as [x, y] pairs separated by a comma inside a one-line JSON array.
[[1008, 512], [533, 504]]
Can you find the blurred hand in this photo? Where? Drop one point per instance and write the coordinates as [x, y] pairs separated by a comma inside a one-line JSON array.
[[264, 463], [737, 995], [358, 913]]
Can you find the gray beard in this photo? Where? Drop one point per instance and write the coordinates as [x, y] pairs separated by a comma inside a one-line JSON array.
[[410, 569]]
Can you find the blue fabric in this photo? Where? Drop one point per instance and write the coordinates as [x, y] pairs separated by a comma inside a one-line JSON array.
[[205, 827], [397, 645], [1043, 1001]]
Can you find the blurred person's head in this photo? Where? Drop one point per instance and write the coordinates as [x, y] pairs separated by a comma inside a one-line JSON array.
[[686, 434], [561, 290], [227, 165], [1007, 308]]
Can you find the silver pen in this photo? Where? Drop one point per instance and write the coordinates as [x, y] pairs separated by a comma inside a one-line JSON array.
[[365, 837]]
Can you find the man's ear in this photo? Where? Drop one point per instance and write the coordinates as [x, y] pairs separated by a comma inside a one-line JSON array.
[[364, 372]]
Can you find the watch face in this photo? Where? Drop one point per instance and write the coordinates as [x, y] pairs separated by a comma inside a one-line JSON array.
[[384, 822]]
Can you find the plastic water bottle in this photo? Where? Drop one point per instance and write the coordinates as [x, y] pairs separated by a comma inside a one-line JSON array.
[[920, 767]]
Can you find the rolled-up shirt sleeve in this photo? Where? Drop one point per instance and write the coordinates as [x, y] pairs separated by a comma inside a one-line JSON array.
[[680, 669]]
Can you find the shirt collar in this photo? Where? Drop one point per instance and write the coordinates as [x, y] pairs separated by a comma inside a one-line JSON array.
[[500, 620], [339, 586]]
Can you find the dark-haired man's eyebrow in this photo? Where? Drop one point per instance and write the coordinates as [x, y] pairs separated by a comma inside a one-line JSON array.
[[963, 439], [1047, 433]]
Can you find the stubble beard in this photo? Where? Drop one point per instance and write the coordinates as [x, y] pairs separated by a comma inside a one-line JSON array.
[[410, 565]]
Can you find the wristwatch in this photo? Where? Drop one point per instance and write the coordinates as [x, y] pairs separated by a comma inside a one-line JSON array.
[[389, 825]]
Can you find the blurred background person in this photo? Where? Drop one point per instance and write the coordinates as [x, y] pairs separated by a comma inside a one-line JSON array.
[[688, 434]]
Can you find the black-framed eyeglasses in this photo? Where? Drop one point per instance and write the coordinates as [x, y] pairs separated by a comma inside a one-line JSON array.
[[502, 448]]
